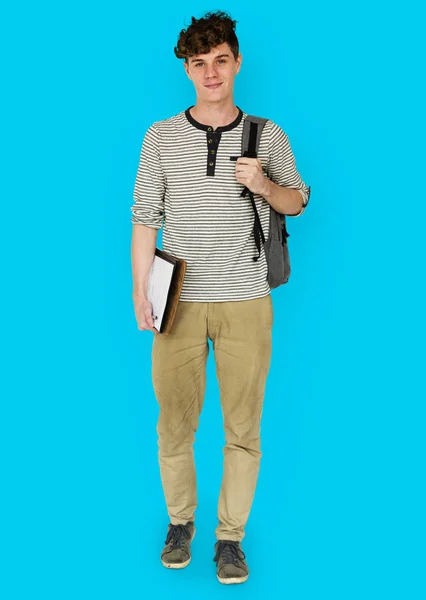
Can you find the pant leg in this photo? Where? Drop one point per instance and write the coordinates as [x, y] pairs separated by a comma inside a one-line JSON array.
[[242, 341], [179, 379]]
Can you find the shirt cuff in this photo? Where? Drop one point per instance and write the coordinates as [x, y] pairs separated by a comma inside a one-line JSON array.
[[305, 199]]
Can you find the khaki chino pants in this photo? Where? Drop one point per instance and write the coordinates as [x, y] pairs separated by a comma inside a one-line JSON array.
[[241, 333]]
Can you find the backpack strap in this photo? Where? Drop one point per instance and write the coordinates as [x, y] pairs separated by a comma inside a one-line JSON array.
[[252, 130]]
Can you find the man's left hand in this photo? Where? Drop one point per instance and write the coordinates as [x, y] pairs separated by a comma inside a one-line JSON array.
[[249, 172]]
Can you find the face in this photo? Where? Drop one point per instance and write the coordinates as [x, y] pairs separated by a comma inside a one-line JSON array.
[[213, 74]]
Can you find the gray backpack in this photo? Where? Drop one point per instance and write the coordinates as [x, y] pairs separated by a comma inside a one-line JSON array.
[[276, 247]]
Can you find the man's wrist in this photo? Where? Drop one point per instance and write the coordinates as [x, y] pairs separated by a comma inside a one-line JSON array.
[[140, 294], [267, 189]]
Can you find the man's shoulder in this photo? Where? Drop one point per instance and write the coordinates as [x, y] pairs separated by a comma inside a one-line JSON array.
[[270, 126], [169, 124]]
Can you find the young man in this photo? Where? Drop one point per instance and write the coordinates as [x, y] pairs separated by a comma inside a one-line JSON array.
[[186, 178]]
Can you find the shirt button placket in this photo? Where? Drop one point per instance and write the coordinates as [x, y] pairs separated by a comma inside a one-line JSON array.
[[213, 143]]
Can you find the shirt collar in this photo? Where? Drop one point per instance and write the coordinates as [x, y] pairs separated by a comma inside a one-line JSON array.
[[203, 127]]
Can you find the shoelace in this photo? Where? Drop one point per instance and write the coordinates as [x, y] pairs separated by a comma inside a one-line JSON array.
[[230, 552], [178, 535]]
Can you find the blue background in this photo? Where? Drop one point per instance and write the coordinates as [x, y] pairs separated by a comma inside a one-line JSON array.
[[339, 509]]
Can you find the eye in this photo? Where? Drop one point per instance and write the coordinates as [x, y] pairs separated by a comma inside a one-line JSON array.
[[221, 60]]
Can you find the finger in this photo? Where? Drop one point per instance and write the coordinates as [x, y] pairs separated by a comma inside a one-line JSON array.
[[146, 327], [248, 168], [244, 160], [249, 162], [148, 317]]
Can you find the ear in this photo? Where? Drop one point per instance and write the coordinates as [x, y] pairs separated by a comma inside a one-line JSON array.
[[239, 61], [186, 67]]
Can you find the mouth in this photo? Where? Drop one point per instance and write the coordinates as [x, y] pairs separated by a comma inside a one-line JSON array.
[[213, 86]]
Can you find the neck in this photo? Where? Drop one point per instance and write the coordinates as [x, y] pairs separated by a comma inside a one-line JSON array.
[[217, 114]]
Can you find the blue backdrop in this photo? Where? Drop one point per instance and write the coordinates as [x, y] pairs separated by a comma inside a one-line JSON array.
[[340, 494]]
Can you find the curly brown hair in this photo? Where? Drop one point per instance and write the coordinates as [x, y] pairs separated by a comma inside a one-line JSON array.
[[206, 33]]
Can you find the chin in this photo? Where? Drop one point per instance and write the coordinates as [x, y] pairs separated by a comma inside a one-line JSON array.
[[215, 97]]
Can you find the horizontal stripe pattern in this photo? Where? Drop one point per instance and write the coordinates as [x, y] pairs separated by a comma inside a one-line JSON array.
[[205, 220]]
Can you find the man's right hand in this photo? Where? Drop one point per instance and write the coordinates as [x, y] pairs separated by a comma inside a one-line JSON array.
[[143, 314]]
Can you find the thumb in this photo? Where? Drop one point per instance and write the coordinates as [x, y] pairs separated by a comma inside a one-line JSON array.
[[148, 315]]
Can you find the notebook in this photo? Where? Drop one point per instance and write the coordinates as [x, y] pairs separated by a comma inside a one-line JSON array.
[[165, 283]]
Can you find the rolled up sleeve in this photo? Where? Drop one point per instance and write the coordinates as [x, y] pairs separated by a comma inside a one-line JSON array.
[[149, 188], [282, 168]]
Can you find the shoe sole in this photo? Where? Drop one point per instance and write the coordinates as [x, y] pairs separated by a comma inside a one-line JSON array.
[[178, 565], [230, 580]]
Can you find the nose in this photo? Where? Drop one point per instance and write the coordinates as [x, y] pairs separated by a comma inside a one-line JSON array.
[[210, 71]]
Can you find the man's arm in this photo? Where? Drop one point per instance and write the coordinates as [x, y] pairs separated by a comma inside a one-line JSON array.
[[144, 240], [147, 217], [281, 185], [285, 200], [143, 245]]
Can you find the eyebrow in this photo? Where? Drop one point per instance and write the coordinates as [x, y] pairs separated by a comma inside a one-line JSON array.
[[201, 59]]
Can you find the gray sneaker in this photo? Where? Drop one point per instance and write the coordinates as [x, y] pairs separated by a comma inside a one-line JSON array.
[[230, 563], [177, 554]]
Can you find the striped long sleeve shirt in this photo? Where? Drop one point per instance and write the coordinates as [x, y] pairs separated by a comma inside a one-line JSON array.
[[186, 183]]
